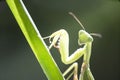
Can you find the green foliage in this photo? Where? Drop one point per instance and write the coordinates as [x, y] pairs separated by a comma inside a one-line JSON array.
[[34, 39]]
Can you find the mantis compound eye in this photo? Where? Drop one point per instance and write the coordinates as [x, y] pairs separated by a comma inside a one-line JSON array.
[[84, 37]]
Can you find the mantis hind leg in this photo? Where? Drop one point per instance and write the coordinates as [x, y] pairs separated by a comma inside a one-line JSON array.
[[74, 66]]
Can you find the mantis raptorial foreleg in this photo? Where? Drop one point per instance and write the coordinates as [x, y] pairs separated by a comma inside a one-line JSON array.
[[61, 36], [60, 40]]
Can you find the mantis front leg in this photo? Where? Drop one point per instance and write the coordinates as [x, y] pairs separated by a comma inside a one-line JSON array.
[[62, 38]]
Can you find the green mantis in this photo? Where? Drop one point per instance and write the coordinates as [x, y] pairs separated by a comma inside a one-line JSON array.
[[60, 40]]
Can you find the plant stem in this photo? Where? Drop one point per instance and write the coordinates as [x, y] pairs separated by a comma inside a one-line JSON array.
[[35, 40]]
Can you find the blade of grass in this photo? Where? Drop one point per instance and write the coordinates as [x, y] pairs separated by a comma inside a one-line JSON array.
[[35, 40]]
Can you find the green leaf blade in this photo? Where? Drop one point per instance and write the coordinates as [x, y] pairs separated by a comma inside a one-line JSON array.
[[35, 40]]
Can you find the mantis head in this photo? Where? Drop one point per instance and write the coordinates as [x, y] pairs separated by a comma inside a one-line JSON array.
[[84, 37]]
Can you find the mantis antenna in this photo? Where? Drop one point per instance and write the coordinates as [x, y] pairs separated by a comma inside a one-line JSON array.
[[73, 15], [96, 34], [93, 34]]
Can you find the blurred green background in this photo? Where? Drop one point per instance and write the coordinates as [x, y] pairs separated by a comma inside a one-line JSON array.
[[17, 61]]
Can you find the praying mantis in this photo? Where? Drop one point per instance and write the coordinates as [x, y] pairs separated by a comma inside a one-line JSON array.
[[60, 40]]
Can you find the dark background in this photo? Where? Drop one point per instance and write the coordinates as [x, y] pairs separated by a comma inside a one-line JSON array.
[[17, 61]]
